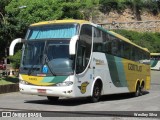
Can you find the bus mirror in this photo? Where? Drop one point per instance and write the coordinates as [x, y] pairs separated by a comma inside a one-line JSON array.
[[12, 45], [72, 45]]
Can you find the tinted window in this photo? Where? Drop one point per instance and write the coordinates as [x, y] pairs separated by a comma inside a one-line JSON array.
[[84, 48], [109, 44]]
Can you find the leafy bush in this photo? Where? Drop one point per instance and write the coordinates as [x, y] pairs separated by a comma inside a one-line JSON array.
[[109, 5], [15, 60], [147, 39]]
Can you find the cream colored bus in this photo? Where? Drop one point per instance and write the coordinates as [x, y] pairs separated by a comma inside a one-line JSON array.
[[76, 58]]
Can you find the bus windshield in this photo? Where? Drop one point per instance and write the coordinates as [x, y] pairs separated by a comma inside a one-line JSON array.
[[52, 31], [48, 46], [33, 53], [53, 54]]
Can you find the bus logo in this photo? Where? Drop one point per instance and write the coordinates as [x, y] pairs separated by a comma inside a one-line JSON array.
[[45, 69], [83, 87]]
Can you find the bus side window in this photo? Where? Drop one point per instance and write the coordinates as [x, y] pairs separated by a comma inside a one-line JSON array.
[[108, 44], [98, 41], [81, 59]]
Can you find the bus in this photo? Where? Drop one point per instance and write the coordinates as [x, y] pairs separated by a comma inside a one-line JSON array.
[[77, 58], [155, 61]]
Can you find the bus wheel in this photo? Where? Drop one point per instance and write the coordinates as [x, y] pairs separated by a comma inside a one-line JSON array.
[[96, 93], [142, 89], [52, 99], [138, 90]]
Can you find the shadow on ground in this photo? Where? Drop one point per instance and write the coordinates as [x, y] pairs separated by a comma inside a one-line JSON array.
[[80, 101]]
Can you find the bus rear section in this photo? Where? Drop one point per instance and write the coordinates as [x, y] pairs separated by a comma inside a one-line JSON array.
[[155, 61]]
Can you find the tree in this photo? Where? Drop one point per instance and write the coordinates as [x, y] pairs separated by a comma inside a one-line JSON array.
[[15, 60], [3, 31], [108, 5], [21, 13], [89, 9]]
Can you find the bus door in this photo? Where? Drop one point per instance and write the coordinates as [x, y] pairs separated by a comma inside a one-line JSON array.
[[84, 70]]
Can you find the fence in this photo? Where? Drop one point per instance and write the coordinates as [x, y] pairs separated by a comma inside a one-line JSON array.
[[141, 26]]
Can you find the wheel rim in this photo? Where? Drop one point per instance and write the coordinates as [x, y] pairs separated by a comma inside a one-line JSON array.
[[137, 91], [96, 92]]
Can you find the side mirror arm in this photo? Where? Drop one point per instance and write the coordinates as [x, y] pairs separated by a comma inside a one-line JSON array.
[[12, 45], [72, 45]]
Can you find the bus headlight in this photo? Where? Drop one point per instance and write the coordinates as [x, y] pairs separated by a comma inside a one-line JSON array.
[[23, 82], [67, 83]]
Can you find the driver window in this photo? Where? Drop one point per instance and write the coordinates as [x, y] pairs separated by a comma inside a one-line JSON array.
[[80, 59]]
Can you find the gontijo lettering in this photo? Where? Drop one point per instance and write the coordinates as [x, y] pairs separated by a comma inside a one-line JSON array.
[[134, 67]]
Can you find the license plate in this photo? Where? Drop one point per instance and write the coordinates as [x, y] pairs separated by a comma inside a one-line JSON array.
[[41, 90]]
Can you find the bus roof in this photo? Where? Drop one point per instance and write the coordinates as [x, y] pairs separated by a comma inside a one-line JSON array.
[[60, 21], [127, 40], [155, 54], [84, 22]]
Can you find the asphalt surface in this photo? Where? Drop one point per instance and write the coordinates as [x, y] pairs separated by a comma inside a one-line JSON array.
[[121, 106]]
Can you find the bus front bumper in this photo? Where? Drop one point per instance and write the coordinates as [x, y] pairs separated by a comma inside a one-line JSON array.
[[63, 91]]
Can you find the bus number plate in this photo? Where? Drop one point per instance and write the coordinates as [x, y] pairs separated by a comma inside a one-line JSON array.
[[41, 90]]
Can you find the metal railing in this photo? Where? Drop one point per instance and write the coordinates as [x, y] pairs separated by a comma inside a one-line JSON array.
[[141, 26]]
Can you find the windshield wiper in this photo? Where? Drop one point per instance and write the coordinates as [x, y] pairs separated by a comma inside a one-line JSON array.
[[46, 61]]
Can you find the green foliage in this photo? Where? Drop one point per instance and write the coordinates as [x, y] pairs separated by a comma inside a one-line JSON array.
[[72, 10], [4, 32], [89, 9], [8, 80], [22, 13], [137, 6], [17, 15], [147, 39], [109, 5], [15, 60], [152, 6]]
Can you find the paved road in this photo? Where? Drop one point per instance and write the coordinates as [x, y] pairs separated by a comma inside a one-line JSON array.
[[122, 102]]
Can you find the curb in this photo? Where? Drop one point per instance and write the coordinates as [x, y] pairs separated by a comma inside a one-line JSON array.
[[9, 88]]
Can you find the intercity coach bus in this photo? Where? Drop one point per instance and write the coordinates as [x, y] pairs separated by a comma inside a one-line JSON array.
[[76, 58], [155, 61]]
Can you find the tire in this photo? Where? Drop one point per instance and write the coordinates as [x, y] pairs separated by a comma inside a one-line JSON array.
[[52, 99], [138, 91], [96, 93], [142, 89]]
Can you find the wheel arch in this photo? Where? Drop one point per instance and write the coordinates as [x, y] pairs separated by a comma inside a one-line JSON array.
[[137, 82], [99, 80], [142, 83]]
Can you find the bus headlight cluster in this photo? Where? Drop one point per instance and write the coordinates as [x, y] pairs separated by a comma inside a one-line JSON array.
[[23, 82], [67, 83]]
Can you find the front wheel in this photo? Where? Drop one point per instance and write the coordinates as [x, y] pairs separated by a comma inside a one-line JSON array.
[[96, 93]]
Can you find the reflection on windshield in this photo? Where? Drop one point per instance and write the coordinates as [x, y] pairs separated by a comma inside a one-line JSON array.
[[33, 53], [59, 58], [57, 51]]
